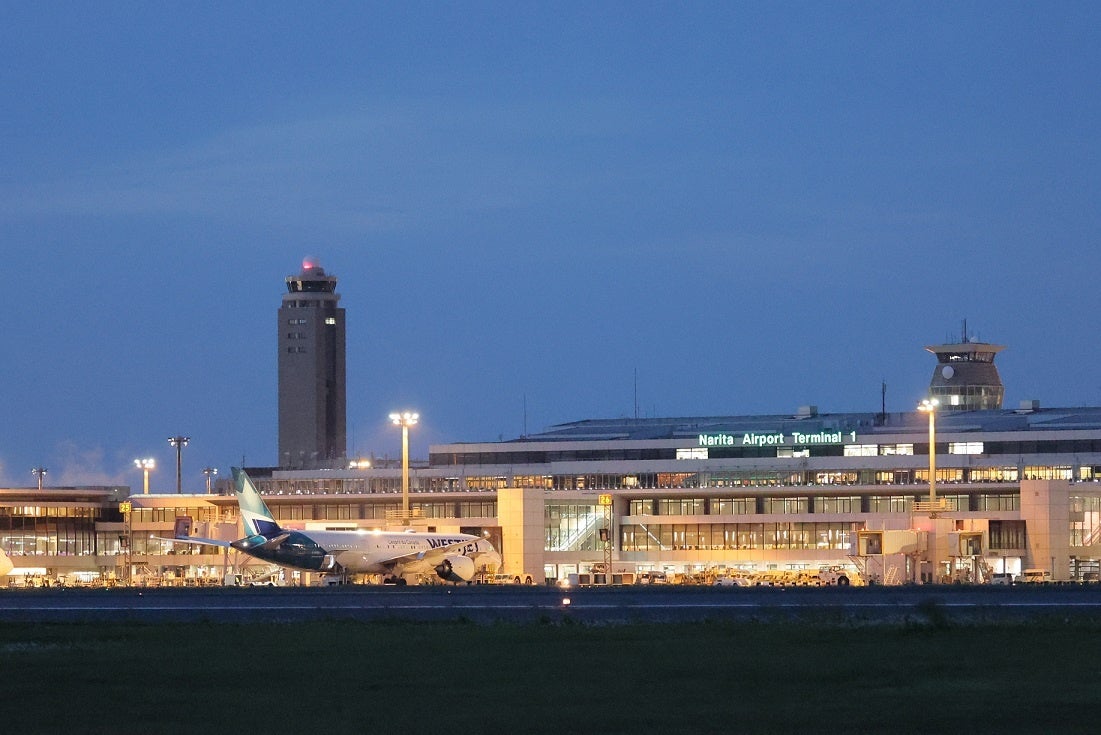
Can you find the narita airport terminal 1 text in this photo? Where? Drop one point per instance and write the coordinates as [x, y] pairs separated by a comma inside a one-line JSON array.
[[775, 439]]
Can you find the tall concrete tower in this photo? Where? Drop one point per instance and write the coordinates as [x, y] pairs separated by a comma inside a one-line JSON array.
[[965, 378], [312, 389]]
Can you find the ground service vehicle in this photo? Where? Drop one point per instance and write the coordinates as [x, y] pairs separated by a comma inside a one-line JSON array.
[[501, 578], [772, 578], [728, 580], [1036, 576], [836, 576]]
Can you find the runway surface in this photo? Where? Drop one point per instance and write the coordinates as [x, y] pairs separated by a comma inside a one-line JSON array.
[[488, 604]]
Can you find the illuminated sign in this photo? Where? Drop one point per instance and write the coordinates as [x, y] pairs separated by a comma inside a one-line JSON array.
[[125, 506], [776, 439]]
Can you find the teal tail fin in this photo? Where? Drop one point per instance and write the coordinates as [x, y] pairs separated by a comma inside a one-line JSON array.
[[255, 515]]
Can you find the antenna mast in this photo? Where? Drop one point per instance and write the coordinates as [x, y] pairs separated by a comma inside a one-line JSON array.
[[636, 394]]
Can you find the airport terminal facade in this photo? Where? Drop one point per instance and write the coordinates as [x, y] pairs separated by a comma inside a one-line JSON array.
[[997, 491], [795, 491]]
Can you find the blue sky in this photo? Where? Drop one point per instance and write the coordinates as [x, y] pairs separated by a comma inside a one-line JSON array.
[[751, 206]]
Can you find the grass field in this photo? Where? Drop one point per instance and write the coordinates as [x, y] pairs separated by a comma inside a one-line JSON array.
[[341, 677]]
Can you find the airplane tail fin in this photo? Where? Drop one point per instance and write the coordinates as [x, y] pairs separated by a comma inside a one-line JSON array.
[[255, 515], [6, 564]]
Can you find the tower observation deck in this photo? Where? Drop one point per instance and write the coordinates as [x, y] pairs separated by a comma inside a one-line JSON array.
[[965, 378]]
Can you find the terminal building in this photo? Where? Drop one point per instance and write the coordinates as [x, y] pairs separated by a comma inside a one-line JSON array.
[[965, 492], [1012, 489]]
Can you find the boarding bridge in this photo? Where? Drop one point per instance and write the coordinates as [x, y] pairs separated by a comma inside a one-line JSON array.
[[888, 556], [966, 554]]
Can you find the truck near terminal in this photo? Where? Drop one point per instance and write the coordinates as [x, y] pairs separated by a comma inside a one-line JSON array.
[[1035, 576], [839, 576]]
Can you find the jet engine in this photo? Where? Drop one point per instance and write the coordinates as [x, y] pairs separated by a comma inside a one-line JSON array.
[[456, 569]]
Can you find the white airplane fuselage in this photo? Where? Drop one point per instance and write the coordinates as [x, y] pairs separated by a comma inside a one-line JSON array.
[[372, 552]]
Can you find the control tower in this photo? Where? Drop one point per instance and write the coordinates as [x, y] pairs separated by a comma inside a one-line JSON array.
[[312, 383], [965, 378]]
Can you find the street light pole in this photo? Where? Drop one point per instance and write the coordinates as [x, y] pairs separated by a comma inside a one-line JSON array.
[[405, 419], [145, 465], [209, 472], [929, 406], [40, 473], [179, 442]]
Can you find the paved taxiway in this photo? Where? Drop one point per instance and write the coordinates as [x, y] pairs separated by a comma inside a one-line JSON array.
[[485, 604]]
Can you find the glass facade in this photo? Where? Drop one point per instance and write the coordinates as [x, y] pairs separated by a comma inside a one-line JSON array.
[[572, 526], [735, 536], [37, 530]]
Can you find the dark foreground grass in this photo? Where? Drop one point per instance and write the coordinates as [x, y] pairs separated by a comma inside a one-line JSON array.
[[342, 677]]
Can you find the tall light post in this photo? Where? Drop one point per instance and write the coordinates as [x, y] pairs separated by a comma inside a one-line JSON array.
[[179, 442], [145, 465], [405, 419], [929, 406], [209, 472], [40, 473]]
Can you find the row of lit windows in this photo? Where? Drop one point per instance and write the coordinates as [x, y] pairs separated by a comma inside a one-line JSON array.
[[883, 450], [48, 511], [806, 504], [56, 542], [734, 536], [378, 511], [615, 454], [678, 480], [169, 515]]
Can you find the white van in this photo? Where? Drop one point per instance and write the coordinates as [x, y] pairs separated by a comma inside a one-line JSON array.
[[1036, 576]]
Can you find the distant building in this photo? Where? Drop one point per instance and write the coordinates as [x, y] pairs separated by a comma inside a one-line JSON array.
[[312, 375]]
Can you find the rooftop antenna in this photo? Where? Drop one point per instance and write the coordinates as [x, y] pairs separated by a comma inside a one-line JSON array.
[[966, 339], [525, 414], [636, 394]]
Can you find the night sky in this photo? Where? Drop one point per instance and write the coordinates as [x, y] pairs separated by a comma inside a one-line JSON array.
[[538, 213]]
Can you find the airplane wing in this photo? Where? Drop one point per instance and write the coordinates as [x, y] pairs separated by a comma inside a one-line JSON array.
[[194, 540]]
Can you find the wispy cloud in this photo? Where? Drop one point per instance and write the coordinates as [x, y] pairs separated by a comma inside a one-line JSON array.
[[72, 465], [359, 170]]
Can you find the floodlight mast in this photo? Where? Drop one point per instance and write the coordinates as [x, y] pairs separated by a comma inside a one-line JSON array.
[[145, 465], [179, 442], [929, 406], [405, 419], [40, 473]]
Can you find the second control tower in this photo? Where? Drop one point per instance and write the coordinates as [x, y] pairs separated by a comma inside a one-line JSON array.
[[965, 378], [312, 383]]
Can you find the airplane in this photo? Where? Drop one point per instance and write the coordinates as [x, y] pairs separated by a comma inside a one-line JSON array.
[[453, 557]]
